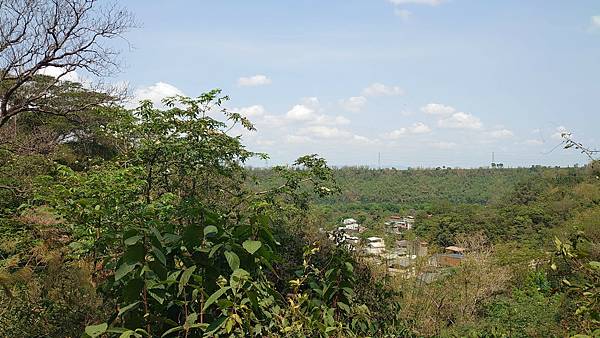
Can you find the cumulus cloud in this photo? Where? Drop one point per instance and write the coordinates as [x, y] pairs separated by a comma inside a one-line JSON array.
[[325, 132], [155, 93], [353, 104], [379, 89], [309, 111], [420, 128], [595, 21], [301, 112], [437, 109], [502, 133], [72, 76], [416, 128], [251, 111], [328, 134], [396, 134], [252, 81], [416, 2], [363, 139], [460, 120]]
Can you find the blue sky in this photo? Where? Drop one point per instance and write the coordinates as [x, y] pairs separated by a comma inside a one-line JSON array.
[[423, 82]]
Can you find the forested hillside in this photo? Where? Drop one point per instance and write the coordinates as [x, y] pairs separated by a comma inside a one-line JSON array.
[[418, 188]]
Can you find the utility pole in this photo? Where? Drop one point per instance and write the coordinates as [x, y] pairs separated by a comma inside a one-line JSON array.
[[379, 159]]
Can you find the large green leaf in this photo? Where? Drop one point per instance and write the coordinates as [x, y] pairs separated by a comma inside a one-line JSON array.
[[233, 260], [211, 229], [159, 255], [96, 330], [127, 308], [123, 270], [132, 240], [214, 297], [251, 246], [185, 277], [172, 330]]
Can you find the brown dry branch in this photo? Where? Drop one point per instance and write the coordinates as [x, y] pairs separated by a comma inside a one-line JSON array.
[[60, 37]]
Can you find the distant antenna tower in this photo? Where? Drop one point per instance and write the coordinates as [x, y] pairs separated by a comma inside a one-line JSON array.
[[379, 160]]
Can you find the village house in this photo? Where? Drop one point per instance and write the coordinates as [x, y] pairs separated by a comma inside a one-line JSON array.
[[351, 225], [453, 257], [375, 246], [414, 248], [397, 224]]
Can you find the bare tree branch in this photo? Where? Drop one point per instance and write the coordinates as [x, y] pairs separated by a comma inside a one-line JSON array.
[[62, 35], [569, 142]]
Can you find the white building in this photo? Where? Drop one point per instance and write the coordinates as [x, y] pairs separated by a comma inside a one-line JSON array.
[[349, 221], [375, 246]]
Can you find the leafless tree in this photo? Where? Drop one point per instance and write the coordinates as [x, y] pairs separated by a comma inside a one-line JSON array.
[[62, 36]]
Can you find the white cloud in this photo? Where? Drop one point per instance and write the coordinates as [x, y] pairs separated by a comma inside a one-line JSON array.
[[353, 104], [502, 133], [362, 139], [379, 89], [416, 128], [155, 93], [438, 109], [251, 111], [417, 2], [420, 128], [252, 81], [595, 21], [72, 76], [325, 132], [309, 111], [301, 112], [396, 134], [444, 145], [402, 14], [460, 120]]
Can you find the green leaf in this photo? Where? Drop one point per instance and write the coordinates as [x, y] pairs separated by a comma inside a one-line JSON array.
[[123, 270], [343, 306], [132, 240], [127, 308], [349, 267], [214, 249], [594, 265], [185, 277], [172, 330], [211, 229], [159, 255], [251, 246], [96, 330], [233, 260], [129, 334], [216, 295]]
